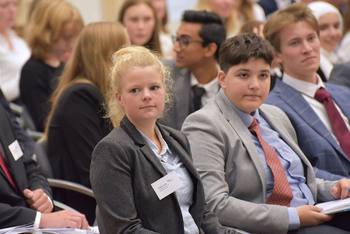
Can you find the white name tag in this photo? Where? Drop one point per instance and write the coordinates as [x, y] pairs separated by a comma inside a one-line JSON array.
[[16, 150], [167, 185]]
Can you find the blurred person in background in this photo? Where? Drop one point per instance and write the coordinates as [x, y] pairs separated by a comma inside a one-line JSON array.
[[51, 33], [164, 35], [140, 19], [77, 120], [234, 12], [14, 51], [330, 33]]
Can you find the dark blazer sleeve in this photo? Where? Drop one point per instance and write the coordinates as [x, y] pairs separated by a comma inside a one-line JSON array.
[[78, 116], [13, 208], [205, 219], [112, 181], [24, 139]]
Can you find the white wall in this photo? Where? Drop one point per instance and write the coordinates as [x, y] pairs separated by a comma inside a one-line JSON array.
[[91, 10], [175, 9]]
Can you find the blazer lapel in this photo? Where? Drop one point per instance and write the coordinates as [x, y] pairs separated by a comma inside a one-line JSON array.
[[238, 126], [296, 102], [184, 156], [16, 169], [138, 139], [275, 124], [183, 89]]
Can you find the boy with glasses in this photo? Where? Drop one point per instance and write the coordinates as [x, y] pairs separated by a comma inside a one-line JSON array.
[[196, 45]]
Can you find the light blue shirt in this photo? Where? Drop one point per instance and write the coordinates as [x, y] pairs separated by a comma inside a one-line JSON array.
[[170, 161], [291, 163]]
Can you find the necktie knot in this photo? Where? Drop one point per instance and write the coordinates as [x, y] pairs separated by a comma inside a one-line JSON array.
[[321, 95], [198, 92], [254, 126]]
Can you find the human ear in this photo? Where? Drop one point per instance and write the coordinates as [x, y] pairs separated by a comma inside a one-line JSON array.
[[222, 79], [278, 58], [119, 98], [211, 49]]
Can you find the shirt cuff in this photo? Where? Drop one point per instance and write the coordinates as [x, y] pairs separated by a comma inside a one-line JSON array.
[[37, 220], [293, 218]]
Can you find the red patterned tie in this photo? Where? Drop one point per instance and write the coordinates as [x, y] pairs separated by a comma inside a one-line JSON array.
[[281, 193], [339, 127], [7, 172]]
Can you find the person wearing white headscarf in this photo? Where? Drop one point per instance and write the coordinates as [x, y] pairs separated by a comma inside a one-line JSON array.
[[344, 47], [330, 23]]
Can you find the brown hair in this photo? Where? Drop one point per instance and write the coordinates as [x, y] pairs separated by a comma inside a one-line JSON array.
[[46, 24], [292, 14], [154, 43], [90, 60], [241, 48], [346, 19], [248, 26]]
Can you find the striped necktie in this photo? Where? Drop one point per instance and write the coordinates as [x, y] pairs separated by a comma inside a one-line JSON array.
[[7, 172], [339, 127], [281, 193]]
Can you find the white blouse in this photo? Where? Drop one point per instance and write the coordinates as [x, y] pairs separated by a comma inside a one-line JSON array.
[[11, 63]]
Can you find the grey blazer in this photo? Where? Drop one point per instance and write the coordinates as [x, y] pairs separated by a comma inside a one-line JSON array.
[[182, 95], [123, 168], [231, 169], [340, 74]]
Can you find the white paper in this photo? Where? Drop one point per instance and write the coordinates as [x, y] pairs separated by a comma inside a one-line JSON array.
[[335, 206], [167, 185], [16, 150], [31, 229]]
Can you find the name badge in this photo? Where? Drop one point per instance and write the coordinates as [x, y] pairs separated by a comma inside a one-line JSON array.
[[16, 150], [167, 185]]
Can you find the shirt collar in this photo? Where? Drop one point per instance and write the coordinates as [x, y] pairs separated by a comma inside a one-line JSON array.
[[164, 145], [303, 87], [210, 87], [246, 118]]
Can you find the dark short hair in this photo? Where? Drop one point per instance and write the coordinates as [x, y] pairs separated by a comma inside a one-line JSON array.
[[241, 48], [213, 29]]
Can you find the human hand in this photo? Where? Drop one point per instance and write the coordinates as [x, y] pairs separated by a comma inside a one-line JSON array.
[[64, 219], [259, 31], [341, 189], [38, 200], [311, 216]]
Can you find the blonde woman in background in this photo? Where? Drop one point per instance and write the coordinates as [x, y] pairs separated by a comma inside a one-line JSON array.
[[224, 8], [51, 33], [234, 12], [76, 121], [247, 10], [14, 51]]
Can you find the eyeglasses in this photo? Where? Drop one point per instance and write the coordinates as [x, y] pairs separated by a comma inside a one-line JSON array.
[[184, 41]]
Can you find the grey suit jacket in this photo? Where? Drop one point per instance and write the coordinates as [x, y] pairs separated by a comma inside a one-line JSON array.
[[181, 92], [340, 74], [123, 168], [231, 169]]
